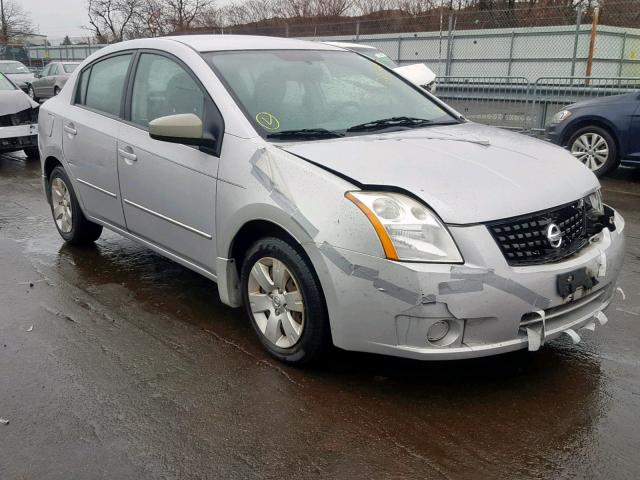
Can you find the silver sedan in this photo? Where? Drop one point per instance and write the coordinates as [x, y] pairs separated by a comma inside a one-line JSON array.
[[330, 198], [50, 80]]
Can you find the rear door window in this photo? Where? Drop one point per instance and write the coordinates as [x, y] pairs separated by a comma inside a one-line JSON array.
[[104, 82]]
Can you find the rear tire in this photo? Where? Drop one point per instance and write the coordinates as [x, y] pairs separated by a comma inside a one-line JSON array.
[[284, 301], [596, 148], [71, 223]]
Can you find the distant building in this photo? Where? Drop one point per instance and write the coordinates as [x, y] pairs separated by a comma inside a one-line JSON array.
[[28, 39]]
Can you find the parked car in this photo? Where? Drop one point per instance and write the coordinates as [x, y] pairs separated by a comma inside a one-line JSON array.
[[17, 73], [417, 73], [337, 202], [18, 120], [50, 81], [600, 132]]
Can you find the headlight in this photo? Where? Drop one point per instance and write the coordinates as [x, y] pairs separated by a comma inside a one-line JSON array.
[[594, 202], [407, 229], [561, 116]]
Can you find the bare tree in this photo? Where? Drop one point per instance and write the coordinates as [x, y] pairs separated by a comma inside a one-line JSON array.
[[367, 7], [212, 17], [331, 8], [416, 7], [150, 19], [295, 8], [183, 14], [15, 21], [111, 20], [250, 11]]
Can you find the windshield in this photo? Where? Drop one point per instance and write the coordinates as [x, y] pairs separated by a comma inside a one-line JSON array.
[[320, 92], [13, 67], [5, 84], [69, 67]]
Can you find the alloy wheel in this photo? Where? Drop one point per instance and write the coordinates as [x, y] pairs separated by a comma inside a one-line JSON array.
[[276, 302], [61, 202], [31, 93], [591, 149]]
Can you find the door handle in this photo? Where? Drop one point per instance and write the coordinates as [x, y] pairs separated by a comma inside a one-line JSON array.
[[70, 129], [128, 154]]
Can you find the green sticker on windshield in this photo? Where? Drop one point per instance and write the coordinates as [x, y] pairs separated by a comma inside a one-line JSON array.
[[267, 121]]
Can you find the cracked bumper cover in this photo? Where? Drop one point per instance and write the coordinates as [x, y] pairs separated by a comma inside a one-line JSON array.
[[387, 307]]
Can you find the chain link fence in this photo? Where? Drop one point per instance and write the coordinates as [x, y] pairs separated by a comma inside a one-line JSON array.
[[511, 67]]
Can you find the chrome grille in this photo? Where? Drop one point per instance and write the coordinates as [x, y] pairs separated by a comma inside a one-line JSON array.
[[523, 240]]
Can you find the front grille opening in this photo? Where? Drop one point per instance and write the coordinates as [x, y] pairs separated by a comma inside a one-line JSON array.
[[524, 240], [24, 117], [556, 314]]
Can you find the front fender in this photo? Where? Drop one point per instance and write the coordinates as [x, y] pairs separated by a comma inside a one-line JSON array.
[[259, 181]]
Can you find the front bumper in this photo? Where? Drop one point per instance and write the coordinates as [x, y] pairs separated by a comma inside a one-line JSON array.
[[555, 133], [379, 306], [18, 137]]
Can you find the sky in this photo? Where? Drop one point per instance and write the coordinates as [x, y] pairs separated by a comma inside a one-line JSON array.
[[57, 18]]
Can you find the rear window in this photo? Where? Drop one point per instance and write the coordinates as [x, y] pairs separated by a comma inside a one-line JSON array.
[[13, 68]]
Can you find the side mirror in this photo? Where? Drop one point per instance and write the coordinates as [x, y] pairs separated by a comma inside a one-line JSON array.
[[418, 74], [185, 128], [37, 75]]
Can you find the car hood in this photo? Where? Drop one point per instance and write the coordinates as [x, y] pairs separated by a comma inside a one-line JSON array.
[[21, 77], [610, 100], [468, 173], [13, 101]]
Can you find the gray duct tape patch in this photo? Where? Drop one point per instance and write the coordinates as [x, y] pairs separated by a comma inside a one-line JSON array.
[[359, 271], [468, 280], [370, 274], [279, 197]]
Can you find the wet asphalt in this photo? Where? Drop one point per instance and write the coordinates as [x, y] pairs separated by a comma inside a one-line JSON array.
[[118, 364]]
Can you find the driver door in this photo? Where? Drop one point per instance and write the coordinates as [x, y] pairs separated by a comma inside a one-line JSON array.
[[168, 189]]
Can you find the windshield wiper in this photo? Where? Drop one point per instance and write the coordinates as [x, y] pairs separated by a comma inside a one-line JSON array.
[[305, 133], [407, 122]]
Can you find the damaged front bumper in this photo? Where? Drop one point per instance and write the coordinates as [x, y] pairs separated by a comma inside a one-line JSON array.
[[483, 307], [17, 137]]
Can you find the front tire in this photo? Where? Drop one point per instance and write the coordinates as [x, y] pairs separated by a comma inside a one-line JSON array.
[[56, 91], [284, 301], [71, 223], [595, 148]]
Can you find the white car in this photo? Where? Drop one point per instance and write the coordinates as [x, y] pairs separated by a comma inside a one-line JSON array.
[[417, 73], [18, 73], [334, 200], [18, 120]]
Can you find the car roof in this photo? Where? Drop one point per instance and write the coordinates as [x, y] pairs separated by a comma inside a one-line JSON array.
[[211, 43], [10, 61]]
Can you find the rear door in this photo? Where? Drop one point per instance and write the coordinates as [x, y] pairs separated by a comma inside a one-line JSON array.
[[49, 80], [39, 83], [90, 133], [168, 189]]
